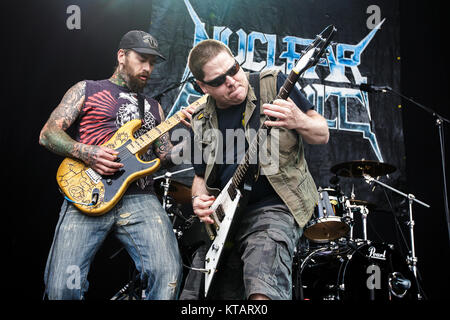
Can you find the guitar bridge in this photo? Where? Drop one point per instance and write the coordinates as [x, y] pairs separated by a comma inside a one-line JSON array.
[[94, 176]]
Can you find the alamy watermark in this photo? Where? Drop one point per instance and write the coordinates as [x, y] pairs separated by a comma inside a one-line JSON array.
[[375, 17], [231, 148], [73, 21], [73, 281]]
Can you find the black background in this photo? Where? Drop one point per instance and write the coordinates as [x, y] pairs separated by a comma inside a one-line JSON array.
[[42, 59]]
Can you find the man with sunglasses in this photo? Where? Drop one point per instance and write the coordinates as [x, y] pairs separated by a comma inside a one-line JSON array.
[[281, 201]]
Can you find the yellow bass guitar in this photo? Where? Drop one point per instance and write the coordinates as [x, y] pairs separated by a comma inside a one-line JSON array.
[[95, 194]]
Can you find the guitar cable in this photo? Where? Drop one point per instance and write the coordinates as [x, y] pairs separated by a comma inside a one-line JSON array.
[[93, 202], [95, 195]]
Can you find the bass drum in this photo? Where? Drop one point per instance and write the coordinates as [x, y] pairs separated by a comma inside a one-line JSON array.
[[368, 271]]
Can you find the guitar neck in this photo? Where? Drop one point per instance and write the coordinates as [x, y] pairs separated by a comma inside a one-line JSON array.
[[141, 143], [310, 57], [288, 85], [149, 137]]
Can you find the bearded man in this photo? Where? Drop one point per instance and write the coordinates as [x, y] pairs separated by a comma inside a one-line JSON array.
[[96, 110]]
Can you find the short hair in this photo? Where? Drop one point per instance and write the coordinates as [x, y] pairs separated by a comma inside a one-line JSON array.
[[203, 52]]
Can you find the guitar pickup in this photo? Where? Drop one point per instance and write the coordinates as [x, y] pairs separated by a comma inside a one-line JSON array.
[[232, 192], [220, 213]]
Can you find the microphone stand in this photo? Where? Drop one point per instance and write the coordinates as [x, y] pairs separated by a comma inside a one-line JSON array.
[[176, 85], [440, 123], [411, 259]]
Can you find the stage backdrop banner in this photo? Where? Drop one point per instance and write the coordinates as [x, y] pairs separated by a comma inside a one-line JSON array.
[[271, 34]]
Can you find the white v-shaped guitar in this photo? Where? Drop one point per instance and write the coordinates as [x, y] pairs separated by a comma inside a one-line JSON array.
[[227, 201]]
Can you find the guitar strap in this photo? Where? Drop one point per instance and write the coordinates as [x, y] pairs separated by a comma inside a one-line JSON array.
[[254, 121], [140, 99], [254, 82]]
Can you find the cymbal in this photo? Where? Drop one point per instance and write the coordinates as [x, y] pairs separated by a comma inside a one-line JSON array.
[[180, 192], [367, 204], [361, 167]]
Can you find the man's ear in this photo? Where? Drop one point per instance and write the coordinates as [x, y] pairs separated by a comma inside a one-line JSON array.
[[121, 56]]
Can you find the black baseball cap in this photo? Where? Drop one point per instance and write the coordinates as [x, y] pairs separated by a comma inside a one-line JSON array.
[[141, 42]]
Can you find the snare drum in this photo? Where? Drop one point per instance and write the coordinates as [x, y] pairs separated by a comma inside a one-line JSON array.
[[330, 220]]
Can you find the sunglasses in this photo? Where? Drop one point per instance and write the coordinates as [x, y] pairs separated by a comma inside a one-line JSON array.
[[218, 81]]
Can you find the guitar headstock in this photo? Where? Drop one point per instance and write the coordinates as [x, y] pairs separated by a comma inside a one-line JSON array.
[[311, 55]]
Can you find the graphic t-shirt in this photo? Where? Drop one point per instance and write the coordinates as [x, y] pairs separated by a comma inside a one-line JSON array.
[[106, 108]]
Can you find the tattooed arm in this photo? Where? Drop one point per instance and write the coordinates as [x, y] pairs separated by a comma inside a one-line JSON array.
[[54, 137]]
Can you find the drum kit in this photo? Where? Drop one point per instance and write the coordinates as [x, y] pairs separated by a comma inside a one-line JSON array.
[[331, 264]]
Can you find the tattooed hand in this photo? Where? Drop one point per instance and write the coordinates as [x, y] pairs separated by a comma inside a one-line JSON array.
[[101, 159]]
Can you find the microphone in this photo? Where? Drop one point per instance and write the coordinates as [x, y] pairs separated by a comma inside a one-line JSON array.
[[371, 88], [195, 85]]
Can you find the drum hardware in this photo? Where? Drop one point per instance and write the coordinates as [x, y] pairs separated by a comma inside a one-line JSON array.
[[173, 211], [398, 284], [352, 206], [411, 259], [180, 192], [133, 290], [173, 194]]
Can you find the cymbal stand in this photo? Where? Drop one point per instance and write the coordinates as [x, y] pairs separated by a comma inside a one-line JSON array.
[[364, 212], [166, 183], [350, 214], [411, 259], [350, 211], [168, 204]]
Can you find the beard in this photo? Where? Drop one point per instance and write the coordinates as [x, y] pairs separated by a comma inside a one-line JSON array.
[[134, 83]]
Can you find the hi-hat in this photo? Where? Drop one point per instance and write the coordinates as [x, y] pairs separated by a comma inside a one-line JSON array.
[[364, 203], [361, 167]]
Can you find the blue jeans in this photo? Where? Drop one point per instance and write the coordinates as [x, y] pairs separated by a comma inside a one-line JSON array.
[[141, 225]]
